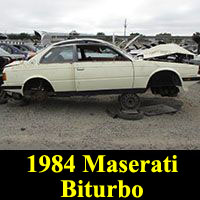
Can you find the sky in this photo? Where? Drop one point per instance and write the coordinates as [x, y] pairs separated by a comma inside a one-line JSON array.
[[148, 17]]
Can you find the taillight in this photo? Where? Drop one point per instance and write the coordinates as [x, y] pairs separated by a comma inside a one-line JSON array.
[[4, 78]]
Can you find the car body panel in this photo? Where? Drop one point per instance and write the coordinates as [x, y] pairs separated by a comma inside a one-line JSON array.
[[103, 75], [164, 50]]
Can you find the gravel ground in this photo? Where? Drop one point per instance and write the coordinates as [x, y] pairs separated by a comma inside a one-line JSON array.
[[82, 123]]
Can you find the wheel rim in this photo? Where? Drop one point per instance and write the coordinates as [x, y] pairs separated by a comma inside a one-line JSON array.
[[130, 101]]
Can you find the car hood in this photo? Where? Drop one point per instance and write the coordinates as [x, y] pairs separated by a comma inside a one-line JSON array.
[[15, 63], [164, 50]]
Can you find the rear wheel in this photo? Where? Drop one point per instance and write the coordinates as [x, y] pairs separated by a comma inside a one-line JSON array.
[[129, 101], [166, 91]]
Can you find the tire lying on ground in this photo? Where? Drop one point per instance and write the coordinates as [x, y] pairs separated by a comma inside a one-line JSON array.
[[129, 101], [116, 111]]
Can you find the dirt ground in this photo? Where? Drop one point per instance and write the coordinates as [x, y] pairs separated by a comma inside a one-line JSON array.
[[82, 123]]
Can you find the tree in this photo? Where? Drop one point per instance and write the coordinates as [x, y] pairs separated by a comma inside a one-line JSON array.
[[100, 34], [196, 38], [21, 36], [165, 37], [134, 34]]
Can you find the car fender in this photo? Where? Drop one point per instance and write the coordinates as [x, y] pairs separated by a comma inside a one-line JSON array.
[[35, 77], [165, 69]]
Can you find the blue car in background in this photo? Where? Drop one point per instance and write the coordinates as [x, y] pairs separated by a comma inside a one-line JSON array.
[[25, 47], [13, 50]]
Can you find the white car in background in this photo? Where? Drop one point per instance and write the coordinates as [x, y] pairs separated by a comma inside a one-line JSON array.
[[94, 67]]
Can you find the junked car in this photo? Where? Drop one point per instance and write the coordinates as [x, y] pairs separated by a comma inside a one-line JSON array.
[[3, 62], [13, 50], [6, 58], [94, 67], [30, 50]]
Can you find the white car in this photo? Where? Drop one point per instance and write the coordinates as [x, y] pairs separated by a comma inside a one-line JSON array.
[[93, 67]]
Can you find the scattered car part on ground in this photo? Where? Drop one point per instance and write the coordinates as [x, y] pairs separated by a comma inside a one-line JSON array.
[[115, 111], [93, 67], [159, 109]]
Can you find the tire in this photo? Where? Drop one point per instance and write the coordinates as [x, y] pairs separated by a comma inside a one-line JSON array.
[[129, 101], [135, 116]]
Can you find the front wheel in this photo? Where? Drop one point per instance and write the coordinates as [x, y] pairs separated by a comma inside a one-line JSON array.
[[129, 101], [37, 91]]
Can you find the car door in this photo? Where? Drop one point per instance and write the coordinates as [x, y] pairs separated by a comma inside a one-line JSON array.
[[100, 67], [57, 66]]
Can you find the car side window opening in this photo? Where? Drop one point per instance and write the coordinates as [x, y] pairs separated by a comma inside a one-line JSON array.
[[58, 55], [98, 53]]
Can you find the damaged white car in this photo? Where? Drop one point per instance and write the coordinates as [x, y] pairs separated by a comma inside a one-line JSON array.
[[94, 67]]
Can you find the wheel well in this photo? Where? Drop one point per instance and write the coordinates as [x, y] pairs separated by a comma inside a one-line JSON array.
[[164, 78], [34, 83]]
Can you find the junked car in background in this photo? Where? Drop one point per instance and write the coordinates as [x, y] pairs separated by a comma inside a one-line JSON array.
[[30, 50], [13, 50], [6, 58], [24, 47], [95, 67]]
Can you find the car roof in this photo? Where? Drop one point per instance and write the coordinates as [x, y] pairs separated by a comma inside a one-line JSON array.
[[81, 41]]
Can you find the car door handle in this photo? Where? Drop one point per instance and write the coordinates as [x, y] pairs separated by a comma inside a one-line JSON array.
[[80, 69]]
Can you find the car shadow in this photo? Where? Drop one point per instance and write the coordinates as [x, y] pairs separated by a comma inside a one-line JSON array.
[[96, 104]]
